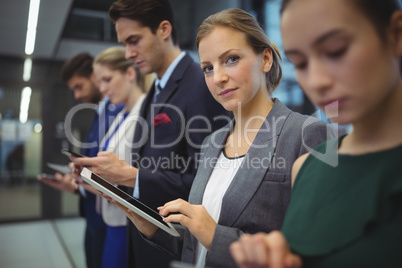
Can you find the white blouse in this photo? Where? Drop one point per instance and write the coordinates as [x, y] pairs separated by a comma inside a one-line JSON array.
[[221, 177]]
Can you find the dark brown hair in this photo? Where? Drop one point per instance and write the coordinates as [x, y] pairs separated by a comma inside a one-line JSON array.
[[379, 12], [150, 13], [80, 64], [376, 11], [246, 24]]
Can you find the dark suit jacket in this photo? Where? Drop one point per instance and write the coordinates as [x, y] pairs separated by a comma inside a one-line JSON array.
[[166, 153], [258, 196]]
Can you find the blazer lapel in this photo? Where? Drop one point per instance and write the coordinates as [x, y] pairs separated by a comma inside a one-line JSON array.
[[142, 128], [205, 168], [111, 129], [147, 111], [249, 176], [172, 84], [119, 139], [207, 165], [115, 138]]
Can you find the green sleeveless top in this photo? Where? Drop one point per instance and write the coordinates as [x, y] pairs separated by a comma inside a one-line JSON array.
[[349, 215]]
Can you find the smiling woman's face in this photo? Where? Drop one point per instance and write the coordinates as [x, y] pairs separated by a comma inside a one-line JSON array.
[[341, 62], [234, 73]]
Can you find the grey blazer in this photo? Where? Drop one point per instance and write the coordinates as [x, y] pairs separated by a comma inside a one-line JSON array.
[[257, 198]]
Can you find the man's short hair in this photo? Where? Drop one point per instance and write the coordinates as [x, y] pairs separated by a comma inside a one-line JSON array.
[[150, 13], [80, 64]]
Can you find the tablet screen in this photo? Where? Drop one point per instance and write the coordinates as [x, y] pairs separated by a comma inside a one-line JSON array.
[[128, 198]]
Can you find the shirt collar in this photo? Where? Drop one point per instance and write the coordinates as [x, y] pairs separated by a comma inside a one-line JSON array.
[[165, 78], [102, 105]]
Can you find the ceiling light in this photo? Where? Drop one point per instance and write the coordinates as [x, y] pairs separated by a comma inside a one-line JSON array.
[[27, 69], [24, 106], [31, 27]]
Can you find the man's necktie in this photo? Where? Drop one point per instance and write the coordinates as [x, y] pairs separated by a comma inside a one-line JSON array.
[[157, 91]]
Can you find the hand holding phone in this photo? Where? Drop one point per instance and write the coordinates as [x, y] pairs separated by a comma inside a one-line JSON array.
[[46, 176], [71, 153], [77, 169], [58, 181], [63, 169]]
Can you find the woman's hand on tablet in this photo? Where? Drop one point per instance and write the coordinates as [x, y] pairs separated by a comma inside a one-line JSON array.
[[195, 217], [143, 225]]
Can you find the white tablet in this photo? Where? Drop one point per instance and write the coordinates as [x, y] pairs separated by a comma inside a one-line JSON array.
[[47, 176], [63, 169], [127, 200], [177, 264]]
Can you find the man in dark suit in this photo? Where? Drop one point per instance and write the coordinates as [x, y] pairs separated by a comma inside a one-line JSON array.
[[77, 72], [177, 114]]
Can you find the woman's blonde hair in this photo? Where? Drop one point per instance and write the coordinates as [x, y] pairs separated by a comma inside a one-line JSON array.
[[114, 58], [246, 24]]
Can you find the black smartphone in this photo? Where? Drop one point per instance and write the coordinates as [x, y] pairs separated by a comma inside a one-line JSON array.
[[47, 176], [71, 153]]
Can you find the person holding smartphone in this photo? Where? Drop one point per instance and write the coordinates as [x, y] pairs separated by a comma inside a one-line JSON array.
[[119, 79], [77, 72]]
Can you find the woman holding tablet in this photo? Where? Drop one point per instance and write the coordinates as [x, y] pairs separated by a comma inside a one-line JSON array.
[[243, 179], [347, 56], [122, 82]]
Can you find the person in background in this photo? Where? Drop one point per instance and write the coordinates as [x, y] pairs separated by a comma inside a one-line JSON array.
[[177, 114], [243, 182], [119, 79], [347, 213], [77, 72]]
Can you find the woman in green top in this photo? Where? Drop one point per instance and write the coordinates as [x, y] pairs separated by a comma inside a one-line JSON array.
[[345, 211]]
